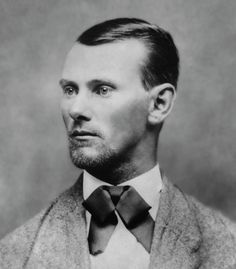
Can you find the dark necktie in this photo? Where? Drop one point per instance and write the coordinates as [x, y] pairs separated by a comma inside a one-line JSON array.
[[131, 208]]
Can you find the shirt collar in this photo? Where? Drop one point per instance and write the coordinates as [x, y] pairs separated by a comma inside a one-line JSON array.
[[148, 185]]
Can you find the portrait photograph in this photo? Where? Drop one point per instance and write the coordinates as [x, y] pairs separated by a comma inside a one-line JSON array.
[[117, 134]]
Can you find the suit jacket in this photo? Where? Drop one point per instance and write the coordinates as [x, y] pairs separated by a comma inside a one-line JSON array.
[[186, 235]]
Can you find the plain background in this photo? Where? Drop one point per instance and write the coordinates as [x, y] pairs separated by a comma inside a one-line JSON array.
[[198, 150]]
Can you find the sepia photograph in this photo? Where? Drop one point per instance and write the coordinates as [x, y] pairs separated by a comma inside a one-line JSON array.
[[117, 134]]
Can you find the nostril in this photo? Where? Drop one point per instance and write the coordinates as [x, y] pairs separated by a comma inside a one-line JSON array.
[[81, 118]]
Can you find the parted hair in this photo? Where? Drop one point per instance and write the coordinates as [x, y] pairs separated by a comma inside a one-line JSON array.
[[162, 62]]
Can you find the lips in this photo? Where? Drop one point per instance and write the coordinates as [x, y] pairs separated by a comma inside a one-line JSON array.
[[82, 134]]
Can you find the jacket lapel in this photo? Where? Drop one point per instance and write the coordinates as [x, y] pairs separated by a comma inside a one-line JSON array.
[[61, 241], [176, 237]]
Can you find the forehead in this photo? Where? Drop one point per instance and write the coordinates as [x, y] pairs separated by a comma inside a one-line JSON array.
[[115, 58]]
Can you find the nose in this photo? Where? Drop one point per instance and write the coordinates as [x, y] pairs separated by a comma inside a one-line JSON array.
[[79, 109]]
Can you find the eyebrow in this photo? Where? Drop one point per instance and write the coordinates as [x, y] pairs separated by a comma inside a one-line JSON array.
[[65, 82]]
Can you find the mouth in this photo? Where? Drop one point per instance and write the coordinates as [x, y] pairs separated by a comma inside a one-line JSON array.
[[82, 135]]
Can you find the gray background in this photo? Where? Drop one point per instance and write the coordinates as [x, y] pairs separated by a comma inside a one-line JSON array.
[[198, 150]]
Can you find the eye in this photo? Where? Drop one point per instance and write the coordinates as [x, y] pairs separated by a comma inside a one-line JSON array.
[[103, 90], [70, 91]]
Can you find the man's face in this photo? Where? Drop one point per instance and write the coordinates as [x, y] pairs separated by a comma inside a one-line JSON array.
[[104, 104]]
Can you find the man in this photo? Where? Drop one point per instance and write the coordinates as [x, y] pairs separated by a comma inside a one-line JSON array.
[[119, 85]]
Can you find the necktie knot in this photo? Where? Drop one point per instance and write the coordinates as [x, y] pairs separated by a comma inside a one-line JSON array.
[[115, 192], [101, 204]]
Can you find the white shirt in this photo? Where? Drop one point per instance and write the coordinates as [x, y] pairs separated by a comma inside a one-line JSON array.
[[123, 250]]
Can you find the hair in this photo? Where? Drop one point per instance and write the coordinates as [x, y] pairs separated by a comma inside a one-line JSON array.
[[162, 62]]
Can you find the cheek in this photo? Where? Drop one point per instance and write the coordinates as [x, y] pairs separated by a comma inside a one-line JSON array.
[[65, 115], [129, 119]]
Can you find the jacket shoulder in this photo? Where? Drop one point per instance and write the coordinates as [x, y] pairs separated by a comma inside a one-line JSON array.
[[218, 235], [211, 219], [16, 247]]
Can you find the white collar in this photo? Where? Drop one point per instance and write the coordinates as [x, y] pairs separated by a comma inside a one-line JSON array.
[[148, 185]]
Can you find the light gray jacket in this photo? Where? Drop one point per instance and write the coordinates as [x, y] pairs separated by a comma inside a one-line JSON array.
[[186, 235]]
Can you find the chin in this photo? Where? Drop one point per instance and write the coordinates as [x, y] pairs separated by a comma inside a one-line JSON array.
[[91, 157], [82, 159]]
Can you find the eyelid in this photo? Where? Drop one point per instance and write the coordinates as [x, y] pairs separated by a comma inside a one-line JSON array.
[[70, 85], [99, 86]]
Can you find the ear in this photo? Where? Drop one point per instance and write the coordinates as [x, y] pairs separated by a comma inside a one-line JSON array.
[[162, 99]]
